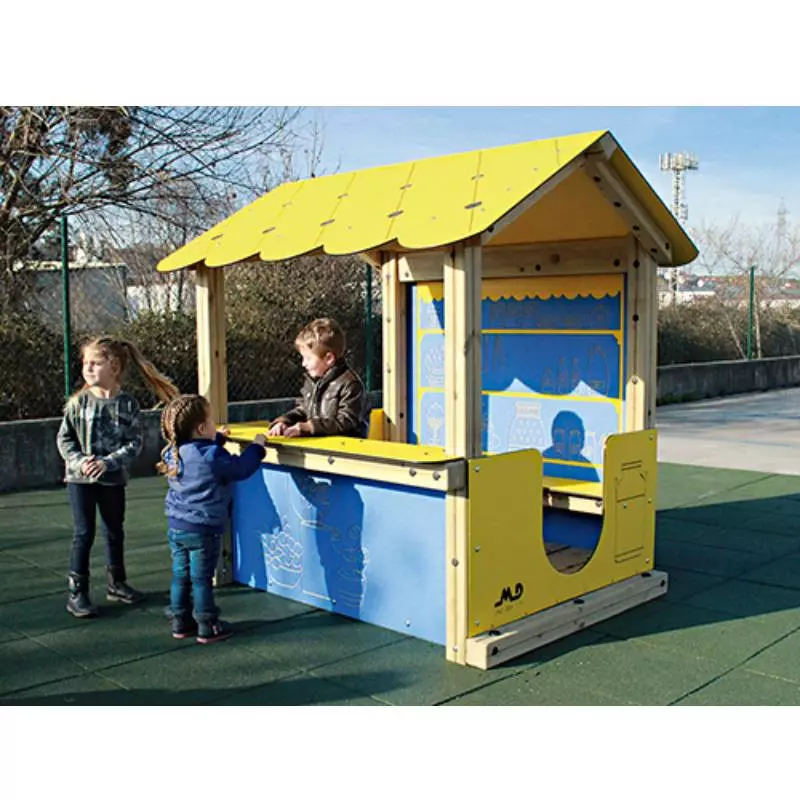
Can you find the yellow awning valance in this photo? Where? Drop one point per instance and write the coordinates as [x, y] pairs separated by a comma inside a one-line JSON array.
[[425, 204]]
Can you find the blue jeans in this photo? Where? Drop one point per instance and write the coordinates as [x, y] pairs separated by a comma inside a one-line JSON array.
[[86, 499], [194, 559]]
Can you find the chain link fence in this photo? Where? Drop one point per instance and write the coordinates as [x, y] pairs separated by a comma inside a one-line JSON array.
[[266, 305]]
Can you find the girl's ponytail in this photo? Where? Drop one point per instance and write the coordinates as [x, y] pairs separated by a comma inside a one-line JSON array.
[[163, 387]]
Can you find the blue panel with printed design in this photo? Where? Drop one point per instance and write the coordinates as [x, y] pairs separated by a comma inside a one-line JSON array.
[[542, 388], [365, 549]]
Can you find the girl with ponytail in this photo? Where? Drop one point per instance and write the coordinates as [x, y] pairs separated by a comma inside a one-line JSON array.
[[99, 439]]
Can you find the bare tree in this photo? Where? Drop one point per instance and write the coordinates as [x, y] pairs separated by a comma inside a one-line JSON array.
[[730, 250], [182, 165]]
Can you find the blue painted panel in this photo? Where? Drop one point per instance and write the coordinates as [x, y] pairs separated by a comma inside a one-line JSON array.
[[574, 372], [567, 528], [553, 313], [586, 365], [364, 549], [561, 430]]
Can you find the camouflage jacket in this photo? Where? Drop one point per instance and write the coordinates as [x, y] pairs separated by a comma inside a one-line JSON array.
[[106, 428]]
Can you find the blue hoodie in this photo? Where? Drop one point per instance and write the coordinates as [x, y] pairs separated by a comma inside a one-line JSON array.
[[199, 497]]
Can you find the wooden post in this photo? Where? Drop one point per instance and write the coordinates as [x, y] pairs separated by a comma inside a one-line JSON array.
[[212, 365], [395, 384], [462, 302], [212, 374]]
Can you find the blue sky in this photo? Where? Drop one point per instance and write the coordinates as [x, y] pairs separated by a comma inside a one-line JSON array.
[[749, 156]]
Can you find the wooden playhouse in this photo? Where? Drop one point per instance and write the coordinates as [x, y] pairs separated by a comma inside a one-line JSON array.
[[506, 494]]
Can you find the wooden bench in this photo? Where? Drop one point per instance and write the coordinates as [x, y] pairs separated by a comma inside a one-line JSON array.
[[571, 495]]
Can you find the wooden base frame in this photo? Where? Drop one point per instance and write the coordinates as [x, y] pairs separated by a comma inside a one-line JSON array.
[[517, 638]]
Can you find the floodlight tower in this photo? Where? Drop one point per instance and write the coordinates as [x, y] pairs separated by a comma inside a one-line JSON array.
[[677, 164]]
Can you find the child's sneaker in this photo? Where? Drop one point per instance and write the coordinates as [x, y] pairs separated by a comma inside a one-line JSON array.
[[210, 632], [183, 629]]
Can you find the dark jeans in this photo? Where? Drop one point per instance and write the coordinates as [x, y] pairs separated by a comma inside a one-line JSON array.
[[86, 500], [194, 559]]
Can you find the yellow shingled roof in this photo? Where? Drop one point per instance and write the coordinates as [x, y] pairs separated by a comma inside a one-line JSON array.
[[429, 203]]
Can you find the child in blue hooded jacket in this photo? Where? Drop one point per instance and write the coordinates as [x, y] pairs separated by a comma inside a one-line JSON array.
[[200, 473]]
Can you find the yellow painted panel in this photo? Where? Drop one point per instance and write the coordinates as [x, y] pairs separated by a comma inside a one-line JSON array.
[[249, 227], [304, 222], [573, 210], [377, 425], [570, 486], [366, 216], [388, 451], [570, 286], [194, 252], [625, 548]]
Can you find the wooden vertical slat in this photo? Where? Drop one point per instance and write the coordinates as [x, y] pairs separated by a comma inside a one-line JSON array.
[[212, 373], [212, 365], [395, 382], [634, 413], [651, 389], [462, 301]]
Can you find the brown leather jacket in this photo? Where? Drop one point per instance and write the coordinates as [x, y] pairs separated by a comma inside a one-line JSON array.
[[335, 404]]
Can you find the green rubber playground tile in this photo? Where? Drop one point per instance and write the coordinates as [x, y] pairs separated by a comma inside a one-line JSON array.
[[21, 580], [684, 583], [682, 629], [25, 663], [299, 690], [196, 673], [537, 688], [39, 615], [700, 558], [39, 498], [677, 529], [743, 599], [121, 634], [742, 687], [53, 553], [781, 660], [85, 690], [409, 672], [9, 634], [781, 492], [313, 640], [680, 484], [745, 517], [781, 572], [625, 672]]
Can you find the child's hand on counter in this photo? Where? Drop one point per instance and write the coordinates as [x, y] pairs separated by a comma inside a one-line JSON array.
[[259, 438], [300, 429], [224, 430], [278, 429]]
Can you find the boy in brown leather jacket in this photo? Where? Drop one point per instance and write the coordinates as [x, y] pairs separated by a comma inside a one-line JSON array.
[[332, 401]]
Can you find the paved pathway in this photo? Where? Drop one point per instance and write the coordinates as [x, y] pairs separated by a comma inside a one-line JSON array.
[[753, 431]]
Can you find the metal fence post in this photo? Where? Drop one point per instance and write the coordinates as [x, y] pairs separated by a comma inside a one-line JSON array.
[[65, 305], [750, 313]]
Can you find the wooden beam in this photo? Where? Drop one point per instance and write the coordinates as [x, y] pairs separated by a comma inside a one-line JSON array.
[[395, 383], [633, 379], [212, 365], [517, 638], [462, 302], [533, 198], [608, 182], [516, 261]]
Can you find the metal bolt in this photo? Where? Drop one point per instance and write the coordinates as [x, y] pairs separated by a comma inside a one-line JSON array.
[[649, 499], [455, 648], [624, 505], [412, 472], [477, 469], [333, 601], [454, 562], [436, 476], [477, 622], [408, 623], [477, 548]]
